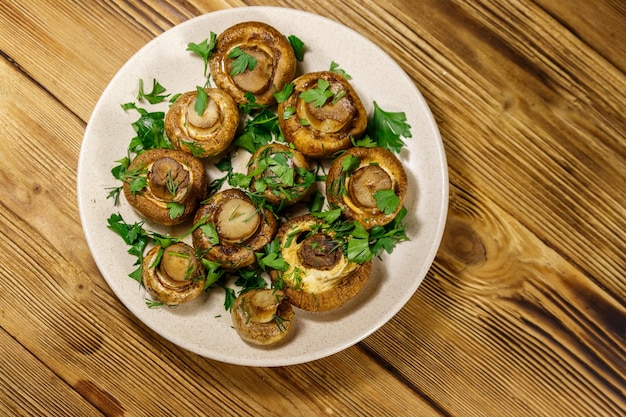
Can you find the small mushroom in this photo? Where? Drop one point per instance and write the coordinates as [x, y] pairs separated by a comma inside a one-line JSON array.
[[322, 115], [356, 191], [280, 173], [236, 229], [274, 62], [174, 182], [319, 277], [206, 134], [262, 316], [175, 277]]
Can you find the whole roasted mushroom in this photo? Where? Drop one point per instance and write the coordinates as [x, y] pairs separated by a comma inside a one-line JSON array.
[[262, 316], [232, 229], [319, 277], [203, 134], [322, 115], [172, 275], [165, 185], [282, 175], [372, 190], [252, 58]]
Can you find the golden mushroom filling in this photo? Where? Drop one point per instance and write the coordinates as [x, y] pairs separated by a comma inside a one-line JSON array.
[[172, 275], [319, 276], [262, 316], [202, 127], [165, 185], [232, 229], [368, 184], [252, 58], [322, 115]]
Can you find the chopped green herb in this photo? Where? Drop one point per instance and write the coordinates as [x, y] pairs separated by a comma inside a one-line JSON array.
[[175, 209], [388, 129], [154, 96], [387, 201], [318, 95], [334, 67], [284, 94], [298, 47], [202, 100], [242, 61], [204, 50]]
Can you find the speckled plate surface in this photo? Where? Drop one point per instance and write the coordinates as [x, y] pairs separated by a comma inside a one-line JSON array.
[[203, 326]]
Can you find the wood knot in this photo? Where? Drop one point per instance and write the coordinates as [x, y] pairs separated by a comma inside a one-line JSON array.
[[463, 243]]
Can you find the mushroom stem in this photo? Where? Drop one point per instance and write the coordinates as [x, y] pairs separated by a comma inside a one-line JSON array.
[[237, 220], [366, 181], [208, 118], [263, 306]]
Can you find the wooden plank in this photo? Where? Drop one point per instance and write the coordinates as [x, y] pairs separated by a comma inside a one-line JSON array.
[[28, 387]]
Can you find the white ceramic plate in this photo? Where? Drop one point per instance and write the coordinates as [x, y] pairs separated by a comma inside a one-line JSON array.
[[203, 326]]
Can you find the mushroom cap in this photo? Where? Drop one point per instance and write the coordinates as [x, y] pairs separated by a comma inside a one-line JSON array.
[[187, 180], [379, 169], [269, 163], [312, 284], [329, 127], [262, 316], [203, 135], [275, 62], [242, 229], [177, 277]]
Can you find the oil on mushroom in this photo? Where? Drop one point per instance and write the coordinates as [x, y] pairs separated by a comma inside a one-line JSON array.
[[280, 174], [233, 229], [322, 115], [319, 276], [172, 183], [204, 129], [252, 58], [262, 316], [368, 184], [172, 275]]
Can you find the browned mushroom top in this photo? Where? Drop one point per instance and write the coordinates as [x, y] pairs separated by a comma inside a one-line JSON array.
[[175, 182], [322, 115], [372, 192], [319, 276], [233, 229], [172, 275], [202, 134], [281, 174], [252, 58], [262, 316]]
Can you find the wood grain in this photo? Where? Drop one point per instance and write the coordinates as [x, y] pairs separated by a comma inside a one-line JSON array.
[[523, 312]]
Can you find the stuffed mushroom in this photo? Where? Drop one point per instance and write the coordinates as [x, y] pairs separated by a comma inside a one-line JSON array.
[[319, 276], [282, 175], [232, 229], [203, 126], [165, 185], [172, 275], [368, 184], [252, 58], [322, 115], [262, 316]]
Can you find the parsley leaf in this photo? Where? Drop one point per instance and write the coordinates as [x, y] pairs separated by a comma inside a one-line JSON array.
[[204, 49], [334, 67], [298, 47], [154, 96], [386, 200], [241, 61], [388, 128], [318, 95], [175, 209], [284, 93], [202, 99]]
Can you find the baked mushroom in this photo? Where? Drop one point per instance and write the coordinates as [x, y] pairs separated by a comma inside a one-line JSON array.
[[165, 185], [172, 275], [202, 134], [233, 229], [368, 184], [322, 115], [262, 316], [252, 58], [282, 175], [319, 277]]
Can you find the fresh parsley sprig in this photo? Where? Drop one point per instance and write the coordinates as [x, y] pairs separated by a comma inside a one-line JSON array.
[[388, 128]]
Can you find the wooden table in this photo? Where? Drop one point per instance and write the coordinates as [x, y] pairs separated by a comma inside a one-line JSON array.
[[523, 312]]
